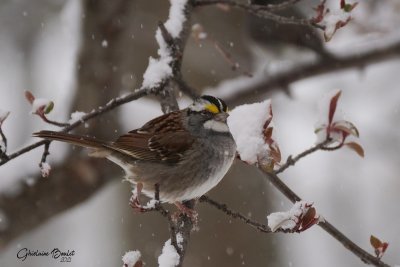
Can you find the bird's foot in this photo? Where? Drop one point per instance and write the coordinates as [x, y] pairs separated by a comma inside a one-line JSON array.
[[184, 210], [136, 205], [134, 201]]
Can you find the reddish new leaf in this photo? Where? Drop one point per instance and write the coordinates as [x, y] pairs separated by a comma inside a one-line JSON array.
[[379, 246], [29, 96], [375, 242], [267, 134], [333, 105], [385, 245], [356, 147], [308, 219], [320, 10], [275, 153], [268, 121], [346, 127]]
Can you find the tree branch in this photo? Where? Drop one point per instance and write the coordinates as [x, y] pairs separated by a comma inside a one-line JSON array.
[[291, 161], [236, 215], [283, 79], [264, 11], [176, 46], [234, 3], [114, 103], [328, 227]]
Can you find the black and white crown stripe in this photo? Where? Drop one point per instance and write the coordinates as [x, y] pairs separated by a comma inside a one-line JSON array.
[[221, 105]]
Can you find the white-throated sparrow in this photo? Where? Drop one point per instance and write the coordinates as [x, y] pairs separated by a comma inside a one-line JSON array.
[[186, 152]]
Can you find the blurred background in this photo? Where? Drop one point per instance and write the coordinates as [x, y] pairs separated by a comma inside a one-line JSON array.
[[82, 53]]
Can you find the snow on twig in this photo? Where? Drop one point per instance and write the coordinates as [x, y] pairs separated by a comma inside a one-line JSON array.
[[251, 127], [132, 259], [299, 218], [169, 256], [160, 69]]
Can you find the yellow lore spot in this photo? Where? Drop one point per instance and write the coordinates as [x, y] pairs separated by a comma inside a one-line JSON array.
[[212, 108]]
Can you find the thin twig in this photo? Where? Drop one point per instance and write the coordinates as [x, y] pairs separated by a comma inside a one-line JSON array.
[[263, 11], [45, 153], [166, 213], [328, 227], [271, 7], [184, 227], [236, 215], [166, 36], [291, 161], [281, 6], [228, 58], [3, 154], [114, 103], [56, 123]]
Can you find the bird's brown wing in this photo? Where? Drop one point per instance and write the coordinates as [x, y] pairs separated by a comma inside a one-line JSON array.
[[161, 139]]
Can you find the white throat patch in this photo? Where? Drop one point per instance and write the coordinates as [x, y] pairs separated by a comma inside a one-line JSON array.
[[198, 106], [217, 126]]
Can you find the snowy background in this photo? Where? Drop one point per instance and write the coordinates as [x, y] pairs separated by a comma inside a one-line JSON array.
[[39, 43]]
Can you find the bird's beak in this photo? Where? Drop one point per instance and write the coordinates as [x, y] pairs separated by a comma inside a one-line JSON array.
[[222, 116]]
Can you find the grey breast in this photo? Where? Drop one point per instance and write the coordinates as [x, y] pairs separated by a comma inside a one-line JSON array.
[[206, 157]]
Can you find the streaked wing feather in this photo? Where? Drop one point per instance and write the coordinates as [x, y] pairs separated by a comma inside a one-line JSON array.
[[161, 139]]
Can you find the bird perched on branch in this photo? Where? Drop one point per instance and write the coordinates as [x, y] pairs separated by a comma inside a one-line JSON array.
[[186, 152]]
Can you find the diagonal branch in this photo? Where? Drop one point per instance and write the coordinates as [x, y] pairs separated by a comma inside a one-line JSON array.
[[328, 227], [284, 79], [236, 215], [114, 103], [291, 161]]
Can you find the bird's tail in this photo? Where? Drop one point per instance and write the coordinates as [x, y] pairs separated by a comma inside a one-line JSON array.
[[74, 139]]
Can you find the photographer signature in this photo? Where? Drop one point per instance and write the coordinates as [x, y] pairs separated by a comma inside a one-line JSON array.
[[64, 256]]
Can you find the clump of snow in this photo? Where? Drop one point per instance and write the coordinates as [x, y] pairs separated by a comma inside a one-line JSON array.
[[176, 18], [40, 104], [157, 71], [131, 258], [179, 240], [45, 168], [246, 125], [76, 116], [169, 256], [3, 115], [104, 43], [160, 69], [134, 191], [151, 204], [289, 219]]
